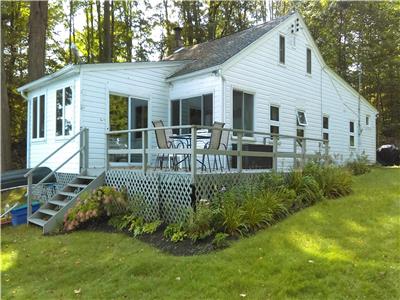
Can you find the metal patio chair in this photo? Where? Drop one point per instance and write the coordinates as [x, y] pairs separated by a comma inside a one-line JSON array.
[[213, 144]]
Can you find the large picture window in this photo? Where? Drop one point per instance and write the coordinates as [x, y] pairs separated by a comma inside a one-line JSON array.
[[64, 112], [243, 111], [192, 111], [38, 117]]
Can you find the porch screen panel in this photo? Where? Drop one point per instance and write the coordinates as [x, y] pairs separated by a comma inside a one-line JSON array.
[[139, 118], [175, 114], [237, 110], [34, 118], [59, 112], [191, 112], [118, 121], [68, 111], [208, 110], [248, 109]]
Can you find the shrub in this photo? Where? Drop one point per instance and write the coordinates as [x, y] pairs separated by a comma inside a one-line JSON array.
[[334, 181], [199, 225], [229, 212], [104, 201], [220, 240], [306, 187], [256, 213], [175, 232], [360, 165], [151, 227], [134, 224]]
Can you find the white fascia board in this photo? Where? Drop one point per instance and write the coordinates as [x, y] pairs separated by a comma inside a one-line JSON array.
[[67, 70], [194, 74], [129, 65]]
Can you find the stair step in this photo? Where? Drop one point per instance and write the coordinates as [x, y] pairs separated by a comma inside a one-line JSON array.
[[86, 177], [47, 211], [37, 221], [78, 185], [59, 203], [69, 194]]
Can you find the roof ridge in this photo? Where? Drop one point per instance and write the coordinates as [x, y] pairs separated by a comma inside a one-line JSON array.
[[237, 32]]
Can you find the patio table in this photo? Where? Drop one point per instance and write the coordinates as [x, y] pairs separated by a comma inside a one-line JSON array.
[[186, 141]]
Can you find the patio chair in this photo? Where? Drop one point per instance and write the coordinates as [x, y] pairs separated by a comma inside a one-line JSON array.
[[224, 144], [162, 142], [214, 143]]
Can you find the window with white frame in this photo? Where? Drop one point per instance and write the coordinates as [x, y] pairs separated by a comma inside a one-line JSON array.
[[282, 49], [367, 117], [274, 119], [308, 61], [38, 117], [301, 118], [192, 111], [325, 127], [64, 112], [351, 130], [243, 111]]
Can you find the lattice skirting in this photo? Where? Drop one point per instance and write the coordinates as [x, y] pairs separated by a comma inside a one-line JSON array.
[[170, 196], [46, 191]]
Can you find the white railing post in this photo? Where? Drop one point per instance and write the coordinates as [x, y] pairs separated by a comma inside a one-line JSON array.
[[239, 149], [144, 151], [326, 144], [29, 198], [303, 153], [84, 142], [106, 159], [193, 157], [294, 153], [274, 152]]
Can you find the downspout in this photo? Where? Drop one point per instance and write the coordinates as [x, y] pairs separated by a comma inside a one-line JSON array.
[[359, 113], [222, 95], [28, 142]]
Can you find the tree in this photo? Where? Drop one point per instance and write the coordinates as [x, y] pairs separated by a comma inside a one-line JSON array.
[[5, 119], [37, 39]]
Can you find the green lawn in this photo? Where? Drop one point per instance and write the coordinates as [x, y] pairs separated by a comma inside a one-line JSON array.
[[338, 249]]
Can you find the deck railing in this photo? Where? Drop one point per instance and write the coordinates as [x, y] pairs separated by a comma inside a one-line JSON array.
[[238, 137], [83, 151]]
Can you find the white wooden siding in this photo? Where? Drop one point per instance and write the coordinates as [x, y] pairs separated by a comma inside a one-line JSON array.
[[144, 83], [38, 150], [258, 71]]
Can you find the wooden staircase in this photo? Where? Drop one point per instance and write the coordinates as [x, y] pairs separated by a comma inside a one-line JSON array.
[[51, 215]]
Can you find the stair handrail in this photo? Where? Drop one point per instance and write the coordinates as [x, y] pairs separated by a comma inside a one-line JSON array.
[[83, 133]]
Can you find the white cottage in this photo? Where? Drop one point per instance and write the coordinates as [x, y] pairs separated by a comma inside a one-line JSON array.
[[269, 78]]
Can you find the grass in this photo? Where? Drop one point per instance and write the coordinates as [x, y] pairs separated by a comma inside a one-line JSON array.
[[344, 248]]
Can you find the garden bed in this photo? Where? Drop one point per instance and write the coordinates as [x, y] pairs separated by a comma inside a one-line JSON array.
[[212, 224]]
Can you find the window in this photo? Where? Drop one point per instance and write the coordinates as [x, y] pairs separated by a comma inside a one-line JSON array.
[[282, 49], [243, 110], [325, 122], [274, 113], [192, 111], [64, 112], [38, 117], [325, 127], [351, 128], [367, 120], [274, 129], [308, 60], [301, 118]]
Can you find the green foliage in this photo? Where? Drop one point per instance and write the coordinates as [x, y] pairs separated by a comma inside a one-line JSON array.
[[151, 227], [360, 165], [175, 232], [306, 187], [199, 225], [104, 201], [220, 240], [334, 181]]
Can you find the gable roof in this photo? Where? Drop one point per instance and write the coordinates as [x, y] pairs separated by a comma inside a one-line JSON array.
[[216, 52]]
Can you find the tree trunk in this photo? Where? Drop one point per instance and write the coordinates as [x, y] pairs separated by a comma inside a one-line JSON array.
[[5, 120], [37, 39], [107, 33], [100, 31], [112, 32]]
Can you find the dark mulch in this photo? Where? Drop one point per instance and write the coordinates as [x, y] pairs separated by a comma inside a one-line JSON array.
[[184, 248]]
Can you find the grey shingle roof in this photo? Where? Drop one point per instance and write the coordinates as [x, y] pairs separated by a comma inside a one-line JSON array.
[[216, 52]]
